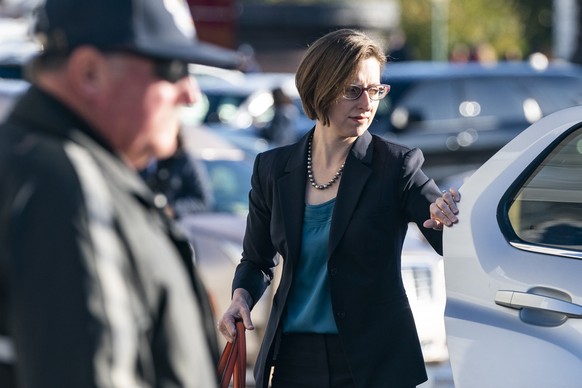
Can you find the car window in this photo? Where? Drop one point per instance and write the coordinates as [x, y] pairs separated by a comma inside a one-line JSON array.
[[222, 106], [547, 209], [554, 93], [491, 100], [231, 182]]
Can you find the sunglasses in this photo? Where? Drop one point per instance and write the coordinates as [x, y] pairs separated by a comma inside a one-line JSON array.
[[375, 92], [171, 70]]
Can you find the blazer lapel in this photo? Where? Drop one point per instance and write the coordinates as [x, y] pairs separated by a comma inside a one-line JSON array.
[[355, 175], [291, 188]]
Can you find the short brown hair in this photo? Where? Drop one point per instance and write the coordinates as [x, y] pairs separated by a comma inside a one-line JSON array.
[[328, 65]]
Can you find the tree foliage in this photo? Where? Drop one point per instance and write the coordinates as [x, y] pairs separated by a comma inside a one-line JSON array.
[[520, 26]]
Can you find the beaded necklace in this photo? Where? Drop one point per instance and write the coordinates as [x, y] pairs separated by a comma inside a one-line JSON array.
[[310, 172]]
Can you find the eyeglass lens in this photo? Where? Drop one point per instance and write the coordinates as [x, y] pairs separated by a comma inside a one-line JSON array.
[[376, 92], [170, 70]]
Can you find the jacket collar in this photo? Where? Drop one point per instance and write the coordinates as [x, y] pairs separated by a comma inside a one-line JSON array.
[[357, 170], [292, 195], [361, 151]]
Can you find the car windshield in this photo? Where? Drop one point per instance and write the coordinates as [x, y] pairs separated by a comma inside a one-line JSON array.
[[231, 184]]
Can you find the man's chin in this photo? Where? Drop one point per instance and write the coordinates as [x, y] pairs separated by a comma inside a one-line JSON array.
[[159, 153]]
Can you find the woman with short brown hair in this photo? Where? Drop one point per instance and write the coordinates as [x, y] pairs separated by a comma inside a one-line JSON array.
[[335, 207]]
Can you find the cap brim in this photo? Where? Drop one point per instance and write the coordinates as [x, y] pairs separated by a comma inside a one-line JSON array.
[[197, 52]]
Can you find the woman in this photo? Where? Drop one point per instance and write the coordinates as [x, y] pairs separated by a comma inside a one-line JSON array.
[[336, 206]]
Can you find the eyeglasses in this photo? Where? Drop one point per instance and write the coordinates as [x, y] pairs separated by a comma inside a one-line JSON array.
[[170, 70], [375, 92]]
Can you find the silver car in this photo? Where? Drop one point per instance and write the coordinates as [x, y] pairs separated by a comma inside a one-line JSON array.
[[514, 260]]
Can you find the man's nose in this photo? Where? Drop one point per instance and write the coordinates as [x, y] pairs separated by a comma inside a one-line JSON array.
[[190, 90]]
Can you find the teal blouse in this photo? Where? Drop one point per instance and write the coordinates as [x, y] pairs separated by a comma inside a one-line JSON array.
[[309, 301]]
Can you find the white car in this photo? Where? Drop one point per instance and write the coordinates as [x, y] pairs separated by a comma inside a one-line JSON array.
[[513, 263], [424, 280]]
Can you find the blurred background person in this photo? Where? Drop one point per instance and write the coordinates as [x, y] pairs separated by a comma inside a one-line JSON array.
[[460, 53], [180, 182], [398, 50], [282, 129], [249, 62]]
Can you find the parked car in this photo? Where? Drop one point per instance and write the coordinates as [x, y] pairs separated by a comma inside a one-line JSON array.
[[513, 263], [217, 240], [217, 235], [245, 103], [459, 115], [14, 53], [10, 90], [228, 167], [424, 280]]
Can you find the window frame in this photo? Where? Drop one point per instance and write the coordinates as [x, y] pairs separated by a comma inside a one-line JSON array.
[[510, 194]]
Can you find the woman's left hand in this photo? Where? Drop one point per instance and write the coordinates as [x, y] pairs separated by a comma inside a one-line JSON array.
[[443, 211]]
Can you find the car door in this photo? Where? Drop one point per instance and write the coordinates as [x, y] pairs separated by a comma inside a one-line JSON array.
[[513, 263]]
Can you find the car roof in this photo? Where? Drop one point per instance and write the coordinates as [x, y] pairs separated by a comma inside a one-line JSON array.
[[210, 76], [252, 82], [207, 145], [412, 70], [14, 55]]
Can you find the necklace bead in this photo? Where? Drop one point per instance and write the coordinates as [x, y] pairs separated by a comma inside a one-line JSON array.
[[310, 171]]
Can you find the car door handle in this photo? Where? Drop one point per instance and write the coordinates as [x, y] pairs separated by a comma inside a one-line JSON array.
[[519, 300]]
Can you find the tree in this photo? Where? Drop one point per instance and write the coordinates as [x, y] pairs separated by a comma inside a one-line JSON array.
[[507, 25], [577, 56]]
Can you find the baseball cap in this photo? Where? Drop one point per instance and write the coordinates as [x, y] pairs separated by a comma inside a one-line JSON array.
[[160, 29]]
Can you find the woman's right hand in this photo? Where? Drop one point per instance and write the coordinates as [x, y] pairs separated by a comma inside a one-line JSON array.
[[239, 309]]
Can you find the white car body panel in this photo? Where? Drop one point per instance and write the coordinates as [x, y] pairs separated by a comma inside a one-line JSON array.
[[424, 280], [489, 344]]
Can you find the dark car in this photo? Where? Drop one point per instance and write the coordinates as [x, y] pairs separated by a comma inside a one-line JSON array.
[[10, 90], [461, 114], [13, 56]]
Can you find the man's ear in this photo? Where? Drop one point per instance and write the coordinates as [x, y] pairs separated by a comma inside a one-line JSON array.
[[87, 72]]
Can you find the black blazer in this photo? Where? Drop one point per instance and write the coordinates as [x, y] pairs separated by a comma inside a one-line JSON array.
[[382, 189]]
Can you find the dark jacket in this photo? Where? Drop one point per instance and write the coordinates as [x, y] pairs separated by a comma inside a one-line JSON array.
[[183, 180], [382, 189], [97, 287]]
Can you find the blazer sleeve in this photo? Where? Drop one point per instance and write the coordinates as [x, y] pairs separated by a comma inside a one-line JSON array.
[[255, 271], [418, 192]]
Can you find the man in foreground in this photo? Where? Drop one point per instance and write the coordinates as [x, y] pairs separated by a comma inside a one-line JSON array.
[[97, 287]]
